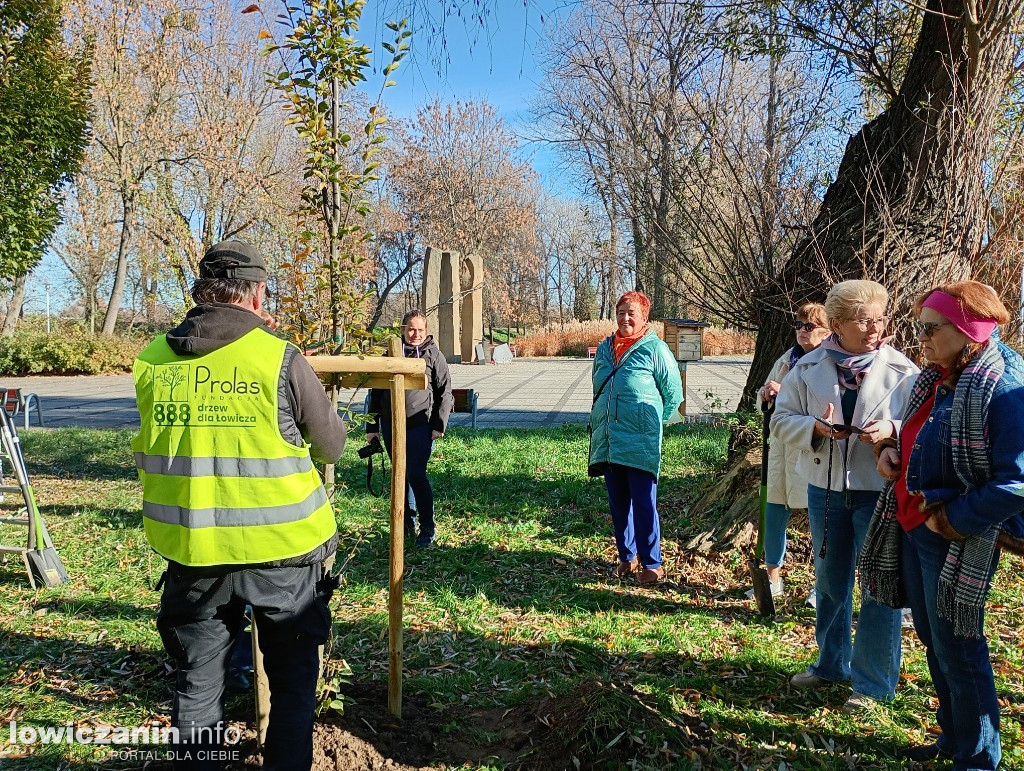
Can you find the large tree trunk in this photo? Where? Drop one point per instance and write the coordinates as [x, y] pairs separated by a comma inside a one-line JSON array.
[[14, 306], [121, 274], [907, 207], [728, 510], [150, 290]]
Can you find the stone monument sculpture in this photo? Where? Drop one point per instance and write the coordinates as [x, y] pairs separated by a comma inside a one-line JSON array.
[[453, 306]]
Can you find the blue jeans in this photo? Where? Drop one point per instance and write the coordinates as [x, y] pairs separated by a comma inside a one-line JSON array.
[[872, 661], [633, 499], [960, 667], [418, 446], [776, 519]]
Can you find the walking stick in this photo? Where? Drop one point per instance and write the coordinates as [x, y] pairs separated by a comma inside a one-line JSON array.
[[758, 575]]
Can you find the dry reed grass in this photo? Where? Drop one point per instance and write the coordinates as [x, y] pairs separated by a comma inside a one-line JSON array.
[[727, 342], [575, 337]]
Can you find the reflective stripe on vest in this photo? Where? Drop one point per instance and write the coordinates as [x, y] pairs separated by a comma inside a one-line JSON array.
[[221, 467], [221, 517], [221, 485]]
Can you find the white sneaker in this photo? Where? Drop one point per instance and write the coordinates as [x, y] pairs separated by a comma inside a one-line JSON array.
[[807, 679], [812, 599], [777, 589], [859, 702], [907, 619]]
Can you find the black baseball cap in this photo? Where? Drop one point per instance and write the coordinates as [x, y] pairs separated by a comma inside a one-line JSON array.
[[233, 259]]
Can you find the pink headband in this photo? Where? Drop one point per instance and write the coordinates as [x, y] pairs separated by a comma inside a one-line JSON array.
[[976, 328]]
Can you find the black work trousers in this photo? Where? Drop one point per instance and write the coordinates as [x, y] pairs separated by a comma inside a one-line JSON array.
[[201, 614]]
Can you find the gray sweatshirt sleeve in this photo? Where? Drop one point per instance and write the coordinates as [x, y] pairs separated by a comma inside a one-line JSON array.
[[319, 424], [443, 400]]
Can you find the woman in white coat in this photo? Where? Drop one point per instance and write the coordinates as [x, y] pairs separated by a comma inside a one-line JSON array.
[[787, 490], [854, 379]]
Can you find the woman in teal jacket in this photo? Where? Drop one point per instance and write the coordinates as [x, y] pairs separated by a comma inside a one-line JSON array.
[[636, 388]]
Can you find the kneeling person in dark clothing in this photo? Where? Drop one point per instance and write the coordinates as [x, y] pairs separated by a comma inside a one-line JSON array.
[[232, 419], [426, 413]]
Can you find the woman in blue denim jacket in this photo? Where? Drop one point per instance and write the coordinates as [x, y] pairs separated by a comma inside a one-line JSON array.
[[956, 497]]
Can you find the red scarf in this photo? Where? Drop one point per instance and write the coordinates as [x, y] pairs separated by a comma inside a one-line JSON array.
[[623, 344]]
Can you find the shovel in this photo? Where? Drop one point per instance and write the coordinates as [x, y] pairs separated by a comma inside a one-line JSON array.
[[758, 575], [43, 559]]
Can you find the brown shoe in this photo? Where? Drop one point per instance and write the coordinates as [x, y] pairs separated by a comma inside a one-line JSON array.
[[624, 569], [652, 576]]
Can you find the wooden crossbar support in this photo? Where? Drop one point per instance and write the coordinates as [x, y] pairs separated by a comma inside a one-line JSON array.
[[414, 369]]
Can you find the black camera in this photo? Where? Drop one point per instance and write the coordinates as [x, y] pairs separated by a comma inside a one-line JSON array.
[[371, 448]]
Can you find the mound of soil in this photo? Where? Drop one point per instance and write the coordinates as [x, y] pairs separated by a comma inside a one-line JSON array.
[[366, 735], [597, 725]]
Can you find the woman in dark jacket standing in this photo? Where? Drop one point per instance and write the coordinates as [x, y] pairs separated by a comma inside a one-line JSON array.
[[956, 496], [427, 414]]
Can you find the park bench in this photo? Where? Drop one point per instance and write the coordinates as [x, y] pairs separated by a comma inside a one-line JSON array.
[[16, 402], [463, 400], [591, 351]]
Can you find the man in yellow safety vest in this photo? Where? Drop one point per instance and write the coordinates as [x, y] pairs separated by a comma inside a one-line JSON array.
[[232, 418]]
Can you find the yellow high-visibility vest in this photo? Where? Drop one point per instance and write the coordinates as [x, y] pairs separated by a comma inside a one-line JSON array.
[[220, 484]]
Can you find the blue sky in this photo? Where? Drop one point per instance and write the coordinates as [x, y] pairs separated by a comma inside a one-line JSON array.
[[492, 57], [495, 60]]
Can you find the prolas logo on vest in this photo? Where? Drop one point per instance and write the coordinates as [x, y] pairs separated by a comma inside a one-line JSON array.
[[198, 395]]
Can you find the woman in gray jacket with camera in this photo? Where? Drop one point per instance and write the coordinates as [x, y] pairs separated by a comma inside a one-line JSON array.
[[426, 419], [836, 402]]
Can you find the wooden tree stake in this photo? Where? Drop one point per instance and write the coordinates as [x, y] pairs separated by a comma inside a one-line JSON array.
[[397, 535]]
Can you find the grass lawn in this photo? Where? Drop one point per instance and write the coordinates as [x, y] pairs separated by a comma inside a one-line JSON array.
[[516, 638]]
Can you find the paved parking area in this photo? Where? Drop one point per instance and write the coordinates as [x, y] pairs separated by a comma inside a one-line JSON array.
[[526, 393]]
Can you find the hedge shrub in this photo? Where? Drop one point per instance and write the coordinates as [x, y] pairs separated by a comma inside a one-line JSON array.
[[67, 350]]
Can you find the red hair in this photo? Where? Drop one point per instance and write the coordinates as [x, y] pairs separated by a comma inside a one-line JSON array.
[[639, 298]]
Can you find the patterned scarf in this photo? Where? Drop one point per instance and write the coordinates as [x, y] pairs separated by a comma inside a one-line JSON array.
[[963, 583], [853, 367], [794, 355]]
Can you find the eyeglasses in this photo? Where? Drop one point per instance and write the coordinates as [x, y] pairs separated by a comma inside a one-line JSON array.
[[806, 326], [864, 324], [927, 328]]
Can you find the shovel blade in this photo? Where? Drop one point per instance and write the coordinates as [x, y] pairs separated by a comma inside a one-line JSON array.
[[47, 567], [762, 589]]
